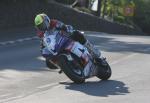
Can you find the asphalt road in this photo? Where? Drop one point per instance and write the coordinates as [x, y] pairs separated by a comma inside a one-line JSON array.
[[24, 77]]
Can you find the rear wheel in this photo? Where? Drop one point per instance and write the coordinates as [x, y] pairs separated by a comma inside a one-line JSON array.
[[104, 70], [72, 69]]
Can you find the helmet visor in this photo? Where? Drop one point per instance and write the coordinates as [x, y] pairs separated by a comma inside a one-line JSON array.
[[42, 27]]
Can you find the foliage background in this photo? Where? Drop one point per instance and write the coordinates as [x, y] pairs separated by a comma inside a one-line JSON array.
[[142, 14], [21, 13], [112, 10]]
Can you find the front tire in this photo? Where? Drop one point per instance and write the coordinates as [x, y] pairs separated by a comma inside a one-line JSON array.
[[104, 70], [68, 67]]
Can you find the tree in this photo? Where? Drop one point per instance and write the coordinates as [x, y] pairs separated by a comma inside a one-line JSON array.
[[81, 3], [104, 9], [66, 1], [98, 13], [142, 14]]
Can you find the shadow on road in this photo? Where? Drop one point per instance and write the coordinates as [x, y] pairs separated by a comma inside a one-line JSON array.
[[27, 64], [111, 44], [22, 57], [101, 88]]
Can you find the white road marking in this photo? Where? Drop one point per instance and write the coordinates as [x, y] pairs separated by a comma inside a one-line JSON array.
[[9, 99], [11, 42], [129, 56], [125, 58], [50, 85], [3, 43], [35, 37], [18, 40], [28, 39], [47, 85], [5, 95], [41, 58]]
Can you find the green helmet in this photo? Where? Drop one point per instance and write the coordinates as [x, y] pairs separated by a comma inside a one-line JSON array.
[[42, 22]]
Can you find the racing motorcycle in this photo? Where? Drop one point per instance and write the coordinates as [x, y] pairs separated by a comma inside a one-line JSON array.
[[81, 66]]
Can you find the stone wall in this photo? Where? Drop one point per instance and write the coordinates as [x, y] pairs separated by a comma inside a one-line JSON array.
[[21, 13]]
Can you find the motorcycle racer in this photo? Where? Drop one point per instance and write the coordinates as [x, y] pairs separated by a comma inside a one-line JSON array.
[[49, 27]]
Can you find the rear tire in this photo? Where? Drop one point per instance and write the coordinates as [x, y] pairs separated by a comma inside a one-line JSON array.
[[68, 67]]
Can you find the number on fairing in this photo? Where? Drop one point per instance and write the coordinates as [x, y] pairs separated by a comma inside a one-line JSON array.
[[48, 40]]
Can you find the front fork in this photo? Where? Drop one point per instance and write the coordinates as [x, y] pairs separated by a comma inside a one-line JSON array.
[[92, 66]]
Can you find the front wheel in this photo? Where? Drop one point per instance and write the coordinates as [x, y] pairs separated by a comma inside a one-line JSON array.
[[104, 69], [72, 69]]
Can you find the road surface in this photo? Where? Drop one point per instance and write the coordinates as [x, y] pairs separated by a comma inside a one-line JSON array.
[[24, 78]]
